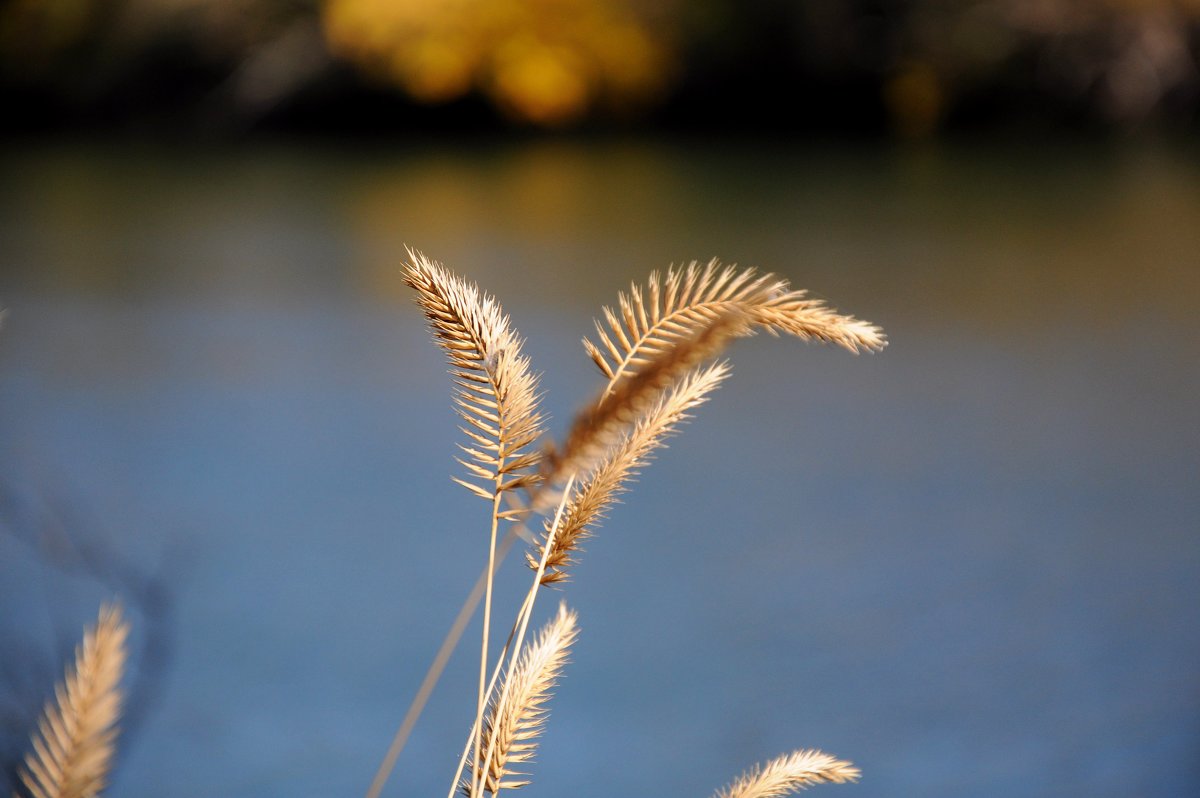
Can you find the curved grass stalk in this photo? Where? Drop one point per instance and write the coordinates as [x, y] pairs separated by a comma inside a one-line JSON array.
[[518, 630], [434, 672], [457, 781]]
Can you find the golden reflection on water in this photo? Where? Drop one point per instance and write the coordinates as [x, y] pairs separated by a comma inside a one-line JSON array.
[[932, 236], [1100, 241]]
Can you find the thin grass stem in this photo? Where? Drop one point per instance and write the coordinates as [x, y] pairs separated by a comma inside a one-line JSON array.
[[462, 762], [435, 670], [487, 620], [523, 613], [530, 598]]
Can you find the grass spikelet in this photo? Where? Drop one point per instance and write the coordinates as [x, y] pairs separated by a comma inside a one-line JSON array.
[[602, 425], [495, 394], [794, 313], [649, 321], [74, 745], [511, 728], [788, 774], [653, 349], [591, 500]]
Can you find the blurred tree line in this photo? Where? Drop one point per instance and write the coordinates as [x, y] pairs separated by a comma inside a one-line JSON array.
[[912, 67]]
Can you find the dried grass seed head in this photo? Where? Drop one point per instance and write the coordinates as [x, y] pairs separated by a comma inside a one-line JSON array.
[[496, 395], [649, 320], [520, 719], [591, 500], [75, 743], [789, 773]]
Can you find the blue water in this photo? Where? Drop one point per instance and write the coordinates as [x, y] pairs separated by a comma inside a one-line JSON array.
[[968, 564]]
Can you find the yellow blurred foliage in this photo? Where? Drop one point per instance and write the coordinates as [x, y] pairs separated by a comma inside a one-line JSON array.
[[34, 32], [915, 99], [548, 62]]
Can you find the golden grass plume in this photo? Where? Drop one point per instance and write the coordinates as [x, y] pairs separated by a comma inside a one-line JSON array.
[[608, 419], [653, 319], [74, 745], [590, 501], [495, 393], [788, 774], [653, 350], [512, 728]]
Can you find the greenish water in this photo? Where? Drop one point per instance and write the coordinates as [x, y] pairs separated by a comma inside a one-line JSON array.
[[967, 563]]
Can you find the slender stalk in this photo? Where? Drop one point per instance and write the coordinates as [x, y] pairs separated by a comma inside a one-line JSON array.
[[462, 761], [531, 597], [434, 672], [450, 642], [487, 620], [516, 724], [520, 622]]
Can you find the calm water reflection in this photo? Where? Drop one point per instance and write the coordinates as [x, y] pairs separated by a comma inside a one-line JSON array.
[[968, 563]]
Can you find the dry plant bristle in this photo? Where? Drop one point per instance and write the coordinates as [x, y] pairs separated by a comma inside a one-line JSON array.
[[601, 426], [788, 774], [495, 393], [73, 747], [653, 319], [521, 717], [590, 501]]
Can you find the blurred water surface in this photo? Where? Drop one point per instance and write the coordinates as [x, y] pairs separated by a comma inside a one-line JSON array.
[[969, 563]]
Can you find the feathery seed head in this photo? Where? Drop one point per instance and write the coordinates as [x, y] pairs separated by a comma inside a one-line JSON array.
[[669, 308], [495, 394], [591, 500], [512, 728], [75, 742], [788, 774], [601, 425]]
